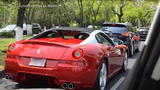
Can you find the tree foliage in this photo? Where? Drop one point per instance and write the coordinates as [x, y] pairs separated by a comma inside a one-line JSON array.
[[51, 13]]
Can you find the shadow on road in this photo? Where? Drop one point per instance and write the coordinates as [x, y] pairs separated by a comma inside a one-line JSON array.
[[115, 78], [8, 85], [135, 56]]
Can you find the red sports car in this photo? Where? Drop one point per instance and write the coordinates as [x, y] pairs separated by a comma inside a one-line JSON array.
[[70, 60]]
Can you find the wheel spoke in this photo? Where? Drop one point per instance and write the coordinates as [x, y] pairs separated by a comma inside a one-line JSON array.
[[103, 75], [125, 64]]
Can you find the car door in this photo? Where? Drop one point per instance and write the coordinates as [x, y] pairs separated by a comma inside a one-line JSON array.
[[115, 60], [116, 52]]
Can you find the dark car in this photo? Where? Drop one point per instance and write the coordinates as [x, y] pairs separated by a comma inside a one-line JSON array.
[[143, 33], [114, 39], [36, 28], [122, 32]]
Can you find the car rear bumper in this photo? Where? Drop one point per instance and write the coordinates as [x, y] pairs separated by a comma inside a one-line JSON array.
[[58, 72], [143, 37]]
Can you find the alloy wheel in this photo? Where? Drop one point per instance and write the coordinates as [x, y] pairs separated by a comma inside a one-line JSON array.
[[103, 77]]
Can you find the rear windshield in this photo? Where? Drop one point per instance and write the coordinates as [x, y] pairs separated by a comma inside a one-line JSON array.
[[143, 32], [114, 29], [54, 34]]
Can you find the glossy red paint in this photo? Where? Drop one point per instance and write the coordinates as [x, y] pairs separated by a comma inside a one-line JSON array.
[[60, 65]]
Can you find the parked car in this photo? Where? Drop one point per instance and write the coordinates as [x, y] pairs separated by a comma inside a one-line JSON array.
[[143, 33], [8, 28], [122, 32], [69, 60], [36, 28], [11, 28]]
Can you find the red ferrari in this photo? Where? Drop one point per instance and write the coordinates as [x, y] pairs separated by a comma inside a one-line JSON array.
[[68, 59]]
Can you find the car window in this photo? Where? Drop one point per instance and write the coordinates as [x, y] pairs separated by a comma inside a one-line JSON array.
[[47, 34], [11, 26], [143, 32], [35, 25], [81, 36], [115, 29], [51, 35], [103, 40]]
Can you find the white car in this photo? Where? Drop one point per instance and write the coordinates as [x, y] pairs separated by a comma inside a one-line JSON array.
[[8, 28], [11, 28], [36, 28]]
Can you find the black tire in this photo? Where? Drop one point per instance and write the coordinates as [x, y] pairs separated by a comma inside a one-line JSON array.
[[137, 50], [13, 33], [125, 63], [25, 32], [131, 50], [97, 85]]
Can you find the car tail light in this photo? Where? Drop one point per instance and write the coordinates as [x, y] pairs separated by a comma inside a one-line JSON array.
[[78, 53], [125, 34], [11, 47], [113, 24]]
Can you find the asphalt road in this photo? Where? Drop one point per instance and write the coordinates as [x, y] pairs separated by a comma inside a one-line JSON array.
[[115, 83]]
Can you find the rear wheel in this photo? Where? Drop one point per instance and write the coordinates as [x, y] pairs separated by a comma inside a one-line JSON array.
[[13, 33], [131, 50], [125, 62], [137, 50], [102, 77]]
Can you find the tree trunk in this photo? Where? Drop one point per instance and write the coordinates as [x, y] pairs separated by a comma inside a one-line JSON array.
[[120, 13], [20, 19], [96, 12], [120, 19], [80, 4], [81, 13]]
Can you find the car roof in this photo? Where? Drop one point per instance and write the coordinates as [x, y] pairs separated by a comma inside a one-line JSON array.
[[122, 24], [73, 29], [67, 31], [143, 30]]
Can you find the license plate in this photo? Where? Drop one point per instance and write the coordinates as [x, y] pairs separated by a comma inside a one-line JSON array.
[[37, 62]]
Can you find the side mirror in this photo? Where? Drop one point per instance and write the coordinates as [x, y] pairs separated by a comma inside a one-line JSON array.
[[121, 46], [118, 42]]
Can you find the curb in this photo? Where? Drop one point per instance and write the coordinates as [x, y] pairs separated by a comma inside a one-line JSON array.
[[2, 74]]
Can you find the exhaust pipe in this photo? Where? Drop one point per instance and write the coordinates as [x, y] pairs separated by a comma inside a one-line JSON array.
[[6, 77], [9, 77], [65, 85], [70, 86]]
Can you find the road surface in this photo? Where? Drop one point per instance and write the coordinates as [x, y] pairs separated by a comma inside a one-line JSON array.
[[114, 83]]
